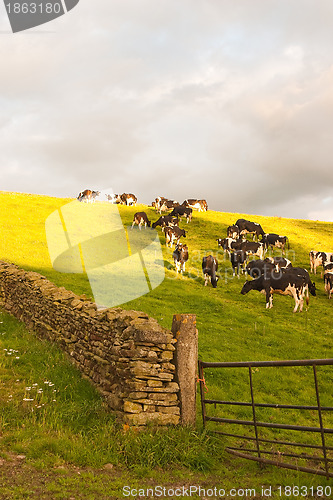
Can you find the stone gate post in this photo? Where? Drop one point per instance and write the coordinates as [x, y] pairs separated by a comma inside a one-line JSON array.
[[186, 360]]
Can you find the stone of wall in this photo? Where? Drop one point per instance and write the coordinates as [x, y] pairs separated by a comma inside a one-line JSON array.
[[125, 354]]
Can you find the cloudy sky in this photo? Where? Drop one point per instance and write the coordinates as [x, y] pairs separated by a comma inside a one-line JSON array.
[[226, 100]]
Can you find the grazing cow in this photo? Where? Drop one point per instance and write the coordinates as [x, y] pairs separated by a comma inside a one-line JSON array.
[[200, 205], [167, 205], [257, 268], [128, 199], [284, 283], [88, 196], [209, 269], [319, 259], [166, 220], [274, 240], [158, 202], [279, 262], [173, 234], [84, 195], [246, 226], [182, 211], [180, 257], [141, 218], [328, 282], [238, 261], [253, 248], [113, 198], [233, 231]]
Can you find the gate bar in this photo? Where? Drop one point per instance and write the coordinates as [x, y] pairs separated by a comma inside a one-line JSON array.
[[280, 464], [282, 453], [202, 395], [273, 441], [272, 426], [255, 364], [267, 405], [254, 412], [320, 420]]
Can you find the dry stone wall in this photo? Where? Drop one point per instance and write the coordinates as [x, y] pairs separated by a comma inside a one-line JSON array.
[[125, 354]]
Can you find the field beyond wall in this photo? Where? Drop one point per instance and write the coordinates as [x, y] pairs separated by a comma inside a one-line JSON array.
[[232, 327]]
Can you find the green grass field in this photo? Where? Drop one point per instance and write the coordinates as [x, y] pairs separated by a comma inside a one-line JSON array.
[[77, 429]]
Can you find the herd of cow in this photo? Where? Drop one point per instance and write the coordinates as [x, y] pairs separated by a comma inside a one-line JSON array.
[[89, 196], [269, 274]]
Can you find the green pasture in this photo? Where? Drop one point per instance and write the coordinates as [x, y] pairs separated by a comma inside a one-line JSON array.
[[73, 425]]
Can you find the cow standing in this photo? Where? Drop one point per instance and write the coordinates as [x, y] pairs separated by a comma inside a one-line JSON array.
[[180, 257], [166, 220], [233, 231], [279, 262], [182, 211], [88, 196], [248, 227], [319, 259], [284, 283], [200, 205], [173, 234], [328, 283], [141, 218], [274, 240], [238, 261], [128, 199], [209, 269], [257, 268]]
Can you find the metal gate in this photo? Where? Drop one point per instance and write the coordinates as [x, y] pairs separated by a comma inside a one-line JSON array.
[[322, 453]]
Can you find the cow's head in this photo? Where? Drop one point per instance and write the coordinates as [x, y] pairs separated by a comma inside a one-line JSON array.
[[312, 288], [248, 285]]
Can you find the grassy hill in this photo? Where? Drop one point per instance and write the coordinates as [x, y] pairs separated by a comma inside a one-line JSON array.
[[231, 327]]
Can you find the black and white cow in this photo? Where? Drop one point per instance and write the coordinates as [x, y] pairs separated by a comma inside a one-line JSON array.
[[233, 231], [166, 220], [304, 274], [284, 283], [229, 244], [246, 226], [88, 196], [141, 218], [167, 205], [238, 261], [328, 267], [200, 205], [173, 234], [128, 199], [274, 240], [113, 198], [182, 211], [328, 283], [259, 267], [279, 262], [253, 248], [158, 202], [319, 259], [209, 269], [180, 257]]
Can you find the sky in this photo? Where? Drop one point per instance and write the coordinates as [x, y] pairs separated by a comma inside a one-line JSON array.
[[231, 101]]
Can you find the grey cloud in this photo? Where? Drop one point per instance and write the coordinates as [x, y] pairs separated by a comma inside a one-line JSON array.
[[156, 97]]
